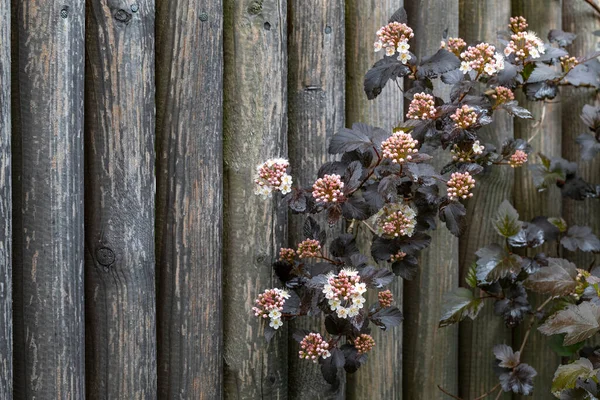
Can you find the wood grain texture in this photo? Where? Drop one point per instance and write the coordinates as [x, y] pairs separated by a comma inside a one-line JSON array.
[[48, 223], [431, 353], [480, 20], [255, 127], [381, 376], [6, 320], [316, 113], [189, 74], [120, 189], [544, 135]]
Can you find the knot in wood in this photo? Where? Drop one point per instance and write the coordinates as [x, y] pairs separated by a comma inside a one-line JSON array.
[[122, 16], [134, 7], [64, 12], [105, 256], [255, 7], [328, 29], [267, 26], [203, 17]]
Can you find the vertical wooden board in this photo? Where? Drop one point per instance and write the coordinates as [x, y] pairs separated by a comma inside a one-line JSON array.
[[6, 321], [544, 135], [381, 376], [431, 353], [316, 113], [579, 17], [255, 128], [480, 20], [120, 189], [189, 75], [48, 232]]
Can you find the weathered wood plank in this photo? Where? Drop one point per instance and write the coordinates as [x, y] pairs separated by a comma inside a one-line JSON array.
[[6, 320], [189, 74], [255, 127], [438, 365], [544, 135], [120, 189], [316, 113], [381, 376], [480, 20], [48, 217]]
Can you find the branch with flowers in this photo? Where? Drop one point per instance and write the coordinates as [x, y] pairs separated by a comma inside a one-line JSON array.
[[384, 182]]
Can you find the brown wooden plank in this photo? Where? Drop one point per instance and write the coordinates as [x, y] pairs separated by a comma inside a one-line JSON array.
[[48, 217], [189, 74], [381, 376], [423, 369], [255, 127], [544, 135], [480, 20], [6, 320], [316, 113], [120, 188]]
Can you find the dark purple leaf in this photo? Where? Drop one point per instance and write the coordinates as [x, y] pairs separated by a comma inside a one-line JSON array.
[[382, 71], [441, 62]]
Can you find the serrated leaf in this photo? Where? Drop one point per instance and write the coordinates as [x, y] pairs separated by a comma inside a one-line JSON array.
[[582, 238], [579, 322], [495, 263], [556, 344], [557, 279], [458, 305], [407, 268], [585, 74], [399, 16], [590, 116], [513, 108], [566, 376], [376, 277], [454, 215], [562, 38], [589, 146], [351, 139], [471, 277], [387, 318], [507, 221], [542, 73], [541, 91], [382, 71], [441, 62]]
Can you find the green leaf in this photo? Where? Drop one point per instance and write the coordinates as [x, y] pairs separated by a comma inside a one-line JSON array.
[[560, 223], [566, 376], [471, 277], [556, 344], [459, 304], [557, 279], [495, 263], [507, 221], [578, 322]]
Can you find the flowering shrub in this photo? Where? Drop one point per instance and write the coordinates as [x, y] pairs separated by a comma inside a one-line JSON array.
[[383, 182]]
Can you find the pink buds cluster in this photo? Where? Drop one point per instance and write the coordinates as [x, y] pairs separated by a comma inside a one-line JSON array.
[[422, 106], [328, 189], [568, 63], [286, 254], [518, 159], [344, 293], [481, 59], [503, 95], [464, 155], [394, 37], [399, 147], [272, 176], [270, 304], [309, 248], [399, 256], [395, 220], [454, 45], [364, 343], [517, 24], [523, 45], [460, 185], [312, 347], [385, 299], [464, 117]]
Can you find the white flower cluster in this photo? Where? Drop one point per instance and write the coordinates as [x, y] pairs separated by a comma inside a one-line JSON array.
[[270, 304], [272, 176], [344, 293]]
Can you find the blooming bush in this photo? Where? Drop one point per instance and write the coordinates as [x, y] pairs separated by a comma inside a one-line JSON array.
[[383, 182]]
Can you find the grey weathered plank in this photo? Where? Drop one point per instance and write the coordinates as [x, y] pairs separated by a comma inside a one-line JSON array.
[[544, 135], [316, 113], [438, 364], [48, 217], [255, 127], [6, 321], [480, 20], [120, 189], [381, 376], [189, 75]]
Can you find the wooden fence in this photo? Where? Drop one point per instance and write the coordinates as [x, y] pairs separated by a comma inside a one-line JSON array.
[[131, 243]]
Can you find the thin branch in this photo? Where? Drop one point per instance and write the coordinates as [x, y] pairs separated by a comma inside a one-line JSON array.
[[594, 5], [489, 392], [448, 393], [528, 332], [499, 394]]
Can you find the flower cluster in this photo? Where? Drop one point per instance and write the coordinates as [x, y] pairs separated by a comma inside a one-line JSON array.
[[364, 343], [568, 63], [518, 159], [460, 185], [518, 24], [309, 248], [272, 176], [464, 117], [481, 59], [455, 45], [502, 95], [313, 346], [270, 304], [422, 106], [463, 155], [399, 256], [385, 299], [286, 254], [523, 45], [399, 147], [395, 220], [344, 293], [328, 189], [394, 37]]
